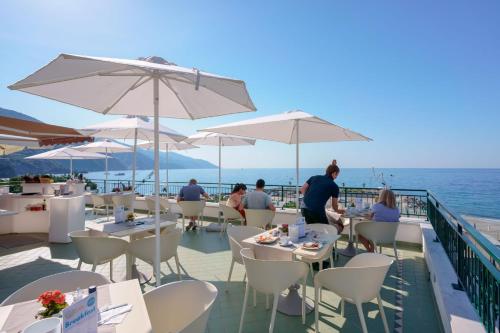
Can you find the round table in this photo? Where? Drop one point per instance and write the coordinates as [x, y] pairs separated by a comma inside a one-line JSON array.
[[350, 250]]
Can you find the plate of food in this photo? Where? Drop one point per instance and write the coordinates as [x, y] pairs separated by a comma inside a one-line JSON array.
[[265, 239], [312, 245]]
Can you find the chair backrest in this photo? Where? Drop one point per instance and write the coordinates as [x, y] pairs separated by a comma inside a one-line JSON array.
[[259, 217], [94, 247], [272, 276], [359, 280], [229, 212], [65, 282], [126, 200], [182, 306], [379, 232], [144, 248], [192, 208], [98, 200], [236, 235], [150, 203]]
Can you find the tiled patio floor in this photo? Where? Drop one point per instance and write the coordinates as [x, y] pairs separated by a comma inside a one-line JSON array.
[[206, 256]]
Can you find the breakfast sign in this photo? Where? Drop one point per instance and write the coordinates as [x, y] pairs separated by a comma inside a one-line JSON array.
[[81, 316]]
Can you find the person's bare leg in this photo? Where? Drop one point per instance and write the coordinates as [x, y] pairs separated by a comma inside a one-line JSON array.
[[366, 243]]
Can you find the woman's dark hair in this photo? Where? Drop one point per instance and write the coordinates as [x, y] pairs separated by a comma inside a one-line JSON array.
[[238, 187], [332, 168]]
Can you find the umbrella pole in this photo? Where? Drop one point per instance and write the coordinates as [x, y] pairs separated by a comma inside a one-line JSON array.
[[134, 160], [220, 168], [297, 166], [166, 167], [156, 103], [106, 174]]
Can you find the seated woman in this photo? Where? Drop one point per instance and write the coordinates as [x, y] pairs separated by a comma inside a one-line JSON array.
[[235, 200], [384, 210]]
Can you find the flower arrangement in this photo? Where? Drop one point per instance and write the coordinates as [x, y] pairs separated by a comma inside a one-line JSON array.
[[53, 302]]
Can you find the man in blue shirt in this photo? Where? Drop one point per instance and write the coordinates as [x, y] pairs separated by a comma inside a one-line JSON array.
[[192, 192], [317, 190]]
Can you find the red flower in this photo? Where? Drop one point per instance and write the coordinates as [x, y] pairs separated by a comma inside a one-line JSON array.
[[52, 296]]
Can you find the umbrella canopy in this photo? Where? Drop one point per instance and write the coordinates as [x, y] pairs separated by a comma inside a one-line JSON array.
[[105, 147], [128, 87], [292, 127], [10, 144], [67, 153], [166, 147], [136, 128], [220, 140], [45, 133]]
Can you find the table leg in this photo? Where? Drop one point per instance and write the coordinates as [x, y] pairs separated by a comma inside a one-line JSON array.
[[349, 251], [291, 303]]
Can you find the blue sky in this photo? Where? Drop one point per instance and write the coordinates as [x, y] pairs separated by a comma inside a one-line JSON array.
[[422, 78]]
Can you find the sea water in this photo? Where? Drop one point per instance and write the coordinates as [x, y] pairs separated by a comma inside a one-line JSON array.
[[466, 191]]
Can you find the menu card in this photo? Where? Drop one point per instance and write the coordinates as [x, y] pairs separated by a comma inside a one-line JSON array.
[[81, 316]]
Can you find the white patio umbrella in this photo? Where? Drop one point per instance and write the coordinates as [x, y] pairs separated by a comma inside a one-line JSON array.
[[105, 146], [293, 127], [220, 140], [168, 147], [67, 153], [135, 128], [147, 87]]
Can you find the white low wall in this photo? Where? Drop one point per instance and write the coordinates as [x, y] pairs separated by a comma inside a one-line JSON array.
[[409, 230], [456, 311]]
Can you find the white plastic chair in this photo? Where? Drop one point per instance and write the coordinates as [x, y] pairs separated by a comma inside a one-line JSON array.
[[259, 217], [182, 307], [358, 282], [65, 282], [98, 203], [144, 248], [379, 233], [125, 200], [325, 229], [192, 208], [236, 235], [272, 277], [229, 214], [96, 248], [150, 203]]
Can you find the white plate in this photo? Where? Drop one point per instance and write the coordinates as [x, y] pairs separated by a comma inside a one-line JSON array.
[[320, 246]]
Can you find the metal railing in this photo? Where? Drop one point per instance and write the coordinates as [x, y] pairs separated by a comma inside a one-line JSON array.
[[410, 202], [474, 258]]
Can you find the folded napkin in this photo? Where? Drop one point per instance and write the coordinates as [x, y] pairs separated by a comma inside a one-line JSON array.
[[114, 315]]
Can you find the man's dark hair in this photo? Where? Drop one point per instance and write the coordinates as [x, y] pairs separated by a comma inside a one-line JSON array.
[[260, 183]]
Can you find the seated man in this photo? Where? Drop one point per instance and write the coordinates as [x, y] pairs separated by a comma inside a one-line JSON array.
[[192, 192], [258, 199]]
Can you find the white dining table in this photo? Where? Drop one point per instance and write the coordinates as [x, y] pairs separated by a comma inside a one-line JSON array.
[[353, 215], [291, 304], [4, 212], [125, 229], [16, 317]]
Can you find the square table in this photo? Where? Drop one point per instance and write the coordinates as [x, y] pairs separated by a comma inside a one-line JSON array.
[[291, 304], [14, 318], [133, 231]]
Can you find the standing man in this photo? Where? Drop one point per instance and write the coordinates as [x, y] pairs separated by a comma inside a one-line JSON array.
[[317, 191], [192, 192]]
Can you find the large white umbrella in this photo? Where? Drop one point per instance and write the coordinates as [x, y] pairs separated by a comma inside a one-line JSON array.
[[147, 87], [106, 147], [220, 140], [67, 153], [168, 147], [293, 127], [135, 128]]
